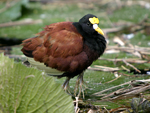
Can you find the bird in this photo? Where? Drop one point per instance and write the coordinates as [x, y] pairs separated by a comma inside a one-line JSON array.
[[66, 49]]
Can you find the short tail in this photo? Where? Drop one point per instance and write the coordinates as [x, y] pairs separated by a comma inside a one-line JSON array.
[[30, 45]]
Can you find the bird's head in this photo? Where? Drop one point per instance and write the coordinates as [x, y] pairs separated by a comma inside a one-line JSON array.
[[90, 24]]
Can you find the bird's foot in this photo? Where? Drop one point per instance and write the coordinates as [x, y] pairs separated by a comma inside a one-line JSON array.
[[80, 85], [66, 86]]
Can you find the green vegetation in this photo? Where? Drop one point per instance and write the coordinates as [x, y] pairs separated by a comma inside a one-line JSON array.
[[51, 13], [28, 90]]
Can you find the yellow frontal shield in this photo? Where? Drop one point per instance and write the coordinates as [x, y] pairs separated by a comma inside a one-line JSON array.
[[95, 23]]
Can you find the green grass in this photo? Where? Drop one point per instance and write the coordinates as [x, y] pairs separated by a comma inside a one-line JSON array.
[[134, 13], [141, 39]]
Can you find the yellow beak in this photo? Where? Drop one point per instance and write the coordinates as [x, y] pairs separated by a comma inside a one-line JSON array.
[[95, 26]]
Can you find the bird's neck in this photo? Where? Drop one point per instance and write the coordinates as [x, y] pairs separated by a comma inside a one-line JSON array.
[[95, 42]]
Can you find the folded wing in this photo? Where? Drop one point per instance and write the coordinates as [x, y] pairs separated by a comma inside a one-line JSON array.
[[59, 46]]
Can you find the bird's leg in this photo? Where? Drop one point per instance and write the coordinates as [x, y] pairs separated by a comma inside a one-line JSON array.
[[66, 85], [79, 85]]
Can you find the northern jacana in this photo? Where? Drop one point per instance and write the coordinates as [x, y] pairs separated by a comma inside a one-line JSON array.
[[66, 49]]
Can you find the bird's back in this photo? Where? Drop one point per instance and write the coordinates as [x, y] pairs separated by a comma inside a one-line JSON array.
[[59, 46]]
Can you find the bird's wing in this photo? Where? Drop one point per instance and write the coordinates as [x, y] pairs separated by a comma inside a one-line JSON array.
[[59, 46]]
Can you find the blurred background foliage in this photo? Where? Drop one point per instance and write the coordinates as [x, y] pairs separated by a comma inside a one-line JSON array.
[[47, 12]]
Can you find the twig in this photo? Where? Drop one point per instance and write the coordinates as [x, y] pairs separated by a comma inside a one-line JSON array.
[[111, 94], [77, 108], [125, 68], [103, 68], [131, 65], [128, 92], [130, 60], [106, 110], [112, 30], [126, 74], [143, 50], [118, 41], [113, 79], [24, 22], [111, 88], [136, 51], [131, 93]]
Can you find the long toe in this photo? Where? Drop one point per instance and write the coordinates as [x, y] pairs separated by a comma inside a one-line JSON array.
[[66, 86], [80, 86]]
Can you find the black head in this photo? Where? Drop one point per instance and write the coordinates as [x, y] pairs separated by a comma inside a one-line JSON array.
[[85, 18], [89, 24], [93, 36]]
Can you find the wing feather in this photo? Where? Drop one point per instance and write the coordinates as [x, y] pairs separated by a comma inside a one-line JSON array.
[[59, 46]]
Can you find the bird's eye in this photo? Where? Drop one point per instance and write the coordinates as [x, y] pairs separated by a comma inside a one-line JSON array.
[[88, 24]]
